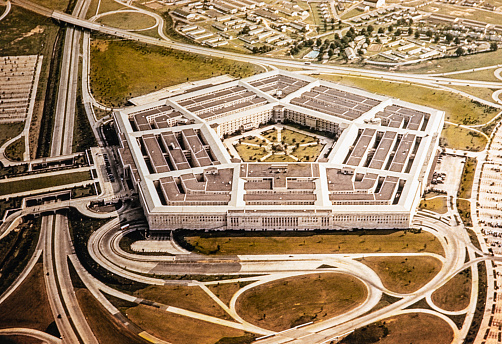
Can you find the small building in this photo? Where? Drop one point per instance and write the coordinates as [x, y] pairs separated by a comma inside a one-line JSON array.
[[182, 13], [299, 25], [351, 54], [374, 3]]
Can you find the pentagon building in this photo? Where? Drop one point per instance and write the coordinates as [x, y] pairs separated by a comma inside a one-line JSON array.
[[371, 176]]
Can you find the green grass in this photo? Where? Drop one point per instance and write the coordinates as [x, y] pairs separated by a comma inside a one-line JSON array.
[[250, 153], [480, 92], [15, 150], [464, 210], [192, 298], [480, 304], [109, 5], [279, 158], [452, 64], [455, 294], [458, 109], [60, 5], [128, 20], [293, 301], [103, 325], [390, 241], [292, 137], [405, 328], [22, 32], [124, 69], [456, 137], [404, 274], [307, 153], [10, 130], [42, 182], [467, 180], [352, 13], [485, 74], [83, 136], [177, 329], [438, 205]]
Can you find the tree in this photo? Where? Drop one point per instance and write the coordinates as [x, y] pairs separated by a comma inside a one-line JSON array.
[[417, 34], [370, 29], [337, 36], [457, 40], [330, 53], [494, 46], [410, 31], [429, 33], [460, 51], [449, 37], [398, 32], [380, 30], [318, 42], [390, 28]]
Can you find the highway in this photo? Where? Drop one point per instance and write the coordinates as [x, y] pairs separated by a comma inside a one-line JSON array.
[[395, 76]]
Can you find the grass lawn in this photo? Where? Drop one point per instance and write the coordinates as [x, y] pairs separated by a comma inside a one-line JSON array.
[[480, 92], [253, 139], [485, 74], [292, 137], [59, 5], [128, 20], [105, 328], [413, 328], [458, 109], [279, 158], [352, 13], [178, 329], [124, 69], [293, 301], [190, 298], [465, 188], [250, 153], [15, 312], [404, 274], [109, 5], [464, 210], [308, 153], [438, 204], [456, 137], [270, 135], [15, 150], [336, 242], [10, 130], [43, 182], [452, 64], [455, 294], [225, 291]]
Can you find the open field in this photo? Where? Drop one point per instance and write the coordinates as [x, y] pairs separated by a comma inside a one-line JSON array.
[[105, 328], [414, 328], [480, 92], [452, 64], [293, 301], [456, 137], [60, 5], [191, 298], [15, 150], [467, 180], [297, 243], [10, 130], [43, 182], [455, 294], [128, 20], [178, 329], [124, 69], [458, 109], [437, 204], [404, 274], [15, 312]]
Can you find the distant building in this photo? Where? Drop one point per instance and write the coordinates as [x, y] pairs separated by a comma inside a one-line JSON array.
[[374, 3], [184, 14]]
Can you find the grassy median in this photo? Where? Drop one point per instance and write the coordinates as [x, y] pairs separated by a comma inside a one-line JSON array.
[[417, 328], [404, 274], [29, 184], [455, 295], [293, 301]]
